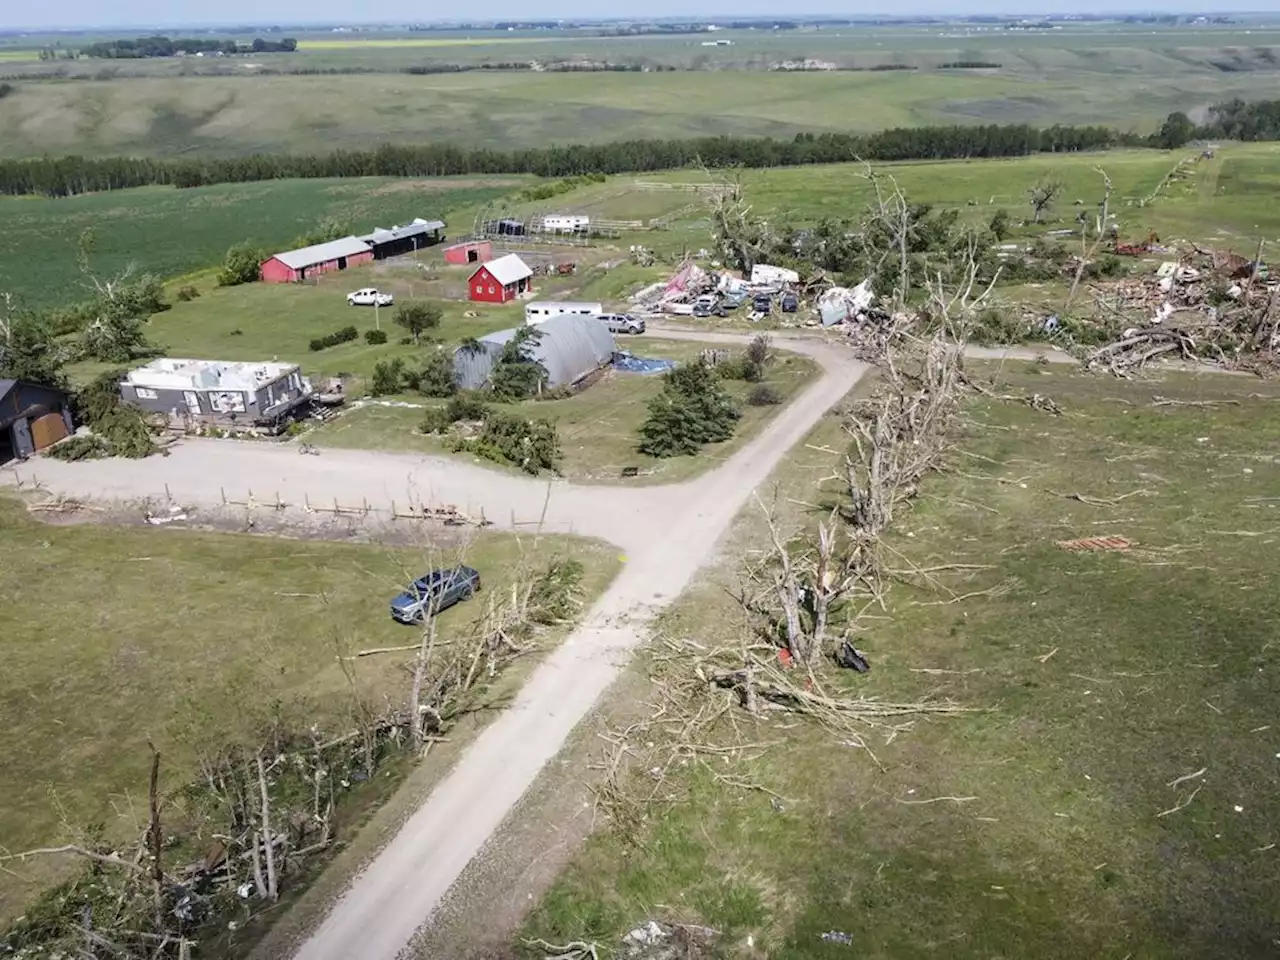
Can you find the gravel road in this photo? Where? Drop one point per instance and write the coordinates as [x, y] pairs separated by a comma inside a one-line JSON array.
[[666, 534]]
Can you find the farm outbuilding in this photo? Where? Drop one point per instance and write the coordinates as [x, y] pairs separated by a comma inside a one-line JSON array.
[[569, 346], [396, 241], [32, 417], [294, 266], [469, 251], [501, 280]]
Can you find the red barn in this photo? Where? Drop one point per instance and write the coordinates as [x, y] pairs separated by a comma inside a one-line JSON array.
[[501, 280], [469, 251], [295, 266]]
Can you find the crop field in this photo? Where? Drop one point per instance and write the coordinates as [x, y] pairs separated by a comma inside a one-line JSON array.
[[1220, 200], [172, 232], [257, 111], [189, 629], [598, 428], [1117, 792]]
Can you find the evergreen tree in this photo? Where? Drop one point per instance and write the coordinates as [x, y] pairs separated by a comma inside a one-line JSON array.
[[693, 409]]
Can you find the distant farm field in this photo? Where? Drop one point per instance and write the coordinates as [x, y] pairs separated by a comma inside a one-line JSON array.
[[253, 111], [171, 232]]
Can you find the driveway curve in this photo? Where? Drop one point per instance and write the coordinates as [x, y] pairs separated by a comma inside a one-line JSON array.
[[667, 533]]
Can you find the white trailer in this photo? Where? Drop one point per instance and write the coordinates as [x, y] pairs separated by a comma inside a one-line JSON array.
[[542, 310]]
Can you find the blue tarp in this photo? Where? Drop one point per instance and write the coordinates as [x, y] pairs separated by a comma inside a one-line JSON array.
[[630, 364]]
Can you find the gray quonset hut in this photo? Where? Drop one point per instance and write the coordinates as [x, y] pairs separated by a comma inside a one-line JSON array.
[[569, 346]]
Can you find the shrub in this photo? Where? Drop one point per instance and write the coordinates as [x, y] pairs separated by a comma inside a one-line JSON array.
[[242, 264], [419, 317], [692, 409], [763, 395], [531, 445], [186, 293], [463, 406], [80, 448], [518, 375], [437, 377], [375, 337], [995, 326], [345, 335], [388, 377]]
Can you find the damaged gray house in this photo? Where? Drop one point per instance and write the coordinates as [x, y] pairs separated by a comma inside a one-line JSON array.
[[226, 393], [569, 346]]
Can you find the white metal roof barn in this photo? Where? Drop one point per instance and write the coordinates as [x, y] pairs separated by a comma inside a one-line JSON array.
[[570, 347]]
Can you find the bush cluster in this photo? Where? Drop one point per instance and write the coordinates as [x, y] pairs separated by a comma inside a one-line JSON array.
[[345, 335]]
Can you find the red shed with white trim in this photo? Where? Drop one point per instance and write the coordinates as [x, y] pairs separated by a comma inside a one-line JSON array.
[[294, 266], [501, 280]]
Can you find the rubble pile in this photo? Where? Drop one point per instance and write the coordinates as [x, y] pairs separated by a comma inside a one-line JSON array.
[[1204, 307]]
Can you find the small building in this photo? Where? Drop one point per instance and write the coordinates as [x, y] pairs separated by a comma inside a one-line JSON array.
[[469, 251], [569, 346], [501, 280], [506, 227], [219, 392], [542, 310], [32, 417], [396, 241], [294, 266], [565, 223]]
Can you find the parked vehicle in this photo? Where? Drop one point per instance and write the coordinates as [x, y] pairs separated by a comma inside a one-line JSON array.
[[370, 297], [707, 300], [762, 303], [732, 301], [713, 310], [790, 302], [622, 323], [438, 590]]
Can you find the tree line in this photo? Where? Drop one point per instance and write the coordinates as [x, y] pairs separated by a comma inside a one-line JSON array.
[[143, 48], [72, 175], [68, 176]]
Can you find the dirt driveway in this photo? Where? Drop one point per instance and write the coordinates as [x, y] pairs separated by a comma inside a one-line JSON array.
[[665, 533]]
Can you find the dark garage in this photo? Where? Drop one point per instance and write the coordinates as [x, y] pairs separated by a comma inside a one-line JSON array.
[[32, 417]]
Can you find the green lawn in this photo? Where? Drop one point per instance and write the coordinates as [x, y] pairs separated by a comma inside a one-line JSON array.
[[171, 232], [262, 320], [1106, 677], [157, 631], [598, 428]]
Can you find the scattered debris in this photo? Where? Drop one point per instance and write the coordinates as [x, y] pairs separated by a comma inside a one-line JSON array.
[[1097, 543], [851, 658], [837, 936]]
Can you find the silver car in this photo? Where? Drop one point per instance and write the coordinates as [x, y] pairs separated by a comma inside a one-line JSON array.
[[622, 322]]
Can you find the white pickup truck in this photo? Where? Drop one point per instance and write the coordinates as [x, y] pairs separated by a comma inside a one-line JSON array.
[[369, 297]]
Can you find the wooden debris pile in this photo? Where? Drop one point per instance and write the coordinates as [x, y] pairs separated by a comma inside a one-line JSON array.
[[1207, 307]]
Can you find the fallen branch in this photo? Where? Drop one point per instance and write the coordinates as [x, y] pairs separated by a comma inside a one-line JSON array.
[[1181, 806], [574, 950]]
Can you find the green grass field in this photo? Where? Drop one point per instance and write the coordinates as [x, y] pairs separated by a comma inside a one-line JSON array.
[[172, 232], [1106, 677], [598, 427], [181, 628], [254, 112]]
